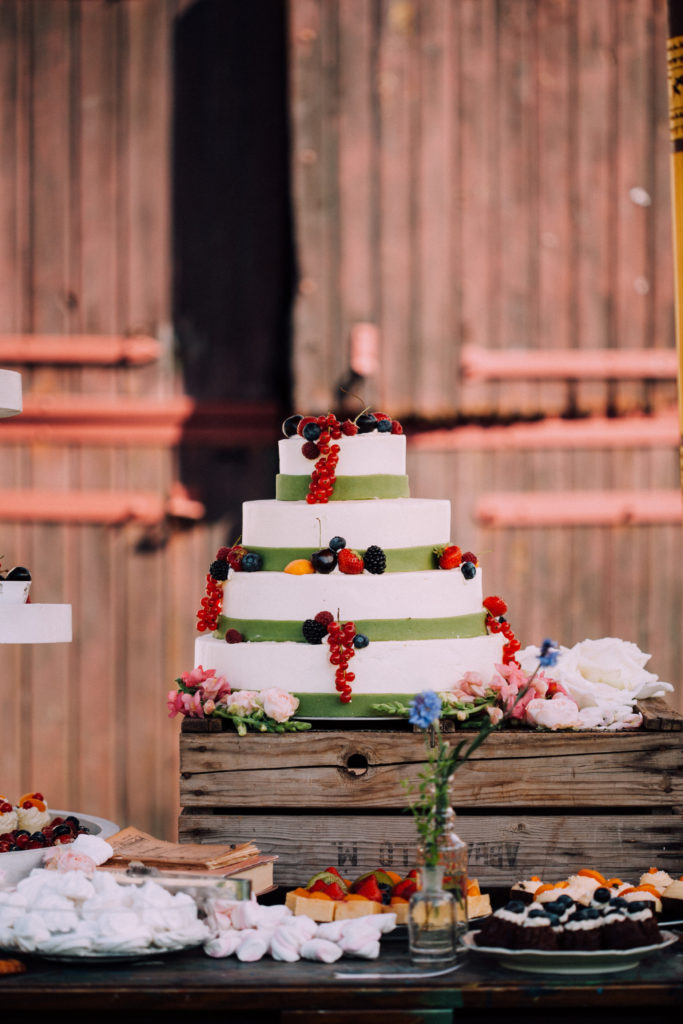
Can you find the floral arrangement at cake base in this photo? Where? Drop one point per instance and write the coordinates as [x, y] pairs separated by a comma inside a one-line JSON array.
[[593, 685], [203, 694]]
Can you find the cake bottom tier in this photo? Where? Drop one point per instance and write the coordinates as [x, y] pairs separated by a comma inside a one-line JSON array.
[[384, 670]]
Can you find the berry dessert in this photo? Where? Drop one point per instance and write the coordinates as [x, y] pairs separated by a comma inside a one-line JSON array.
[[344, 540], [33, 827], [608, 923], [329, 897]]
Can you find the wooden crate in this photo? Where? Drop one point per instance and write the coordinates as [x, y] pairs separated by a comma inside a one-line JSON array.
[[527, 803]]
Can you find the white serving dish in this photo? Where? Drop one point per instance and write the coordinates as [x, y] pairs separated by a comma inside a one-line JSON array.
[[17, 864], [14, 591]]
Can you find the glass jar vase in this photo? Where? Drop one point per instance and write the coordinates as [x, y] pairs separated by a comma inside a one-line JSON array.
[[453, 859], [432, 920], [437, 916]]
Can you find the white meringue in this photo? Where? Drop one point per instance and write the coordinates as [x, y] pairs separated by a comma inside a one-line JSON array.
[[322, 950]]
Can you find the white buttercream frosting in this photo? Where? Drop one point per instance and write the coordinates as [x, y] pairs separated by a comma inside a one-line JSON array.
[[389, 522], [360, 455], [391, 666], [401, 595]]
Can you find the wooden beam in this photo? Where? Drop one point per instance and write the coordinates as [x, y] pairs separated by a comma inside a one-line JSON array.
[[100, 349], [111, 508], [477, 363], [122, 420], [579, 508], [660, 430]]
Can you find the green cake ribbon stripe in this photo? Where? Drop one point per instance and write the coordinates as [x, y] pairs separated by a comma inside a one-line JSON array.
[[457, 627], [415, 559], [328, 705], [289, 487]]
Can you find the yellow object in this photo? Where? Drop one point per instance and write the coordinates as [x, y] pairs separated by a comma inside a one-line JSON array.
[[299, 567]]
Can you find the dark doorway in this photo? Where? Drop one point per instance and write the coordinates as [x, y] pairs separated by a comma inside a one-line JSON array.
[[233, 260], [232, 229]]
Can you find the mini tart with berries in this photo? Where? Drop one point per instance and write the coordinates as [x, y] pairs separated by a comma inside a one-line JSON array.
[[32, 812]]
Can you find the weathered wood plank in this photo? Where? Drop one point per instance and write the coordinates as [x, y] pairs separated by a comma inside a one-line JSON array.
[[343, 770], [502, 848]]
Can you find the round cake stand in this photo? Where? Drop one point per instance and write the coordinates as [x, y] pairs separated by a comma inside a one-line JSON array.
[[35, 623], [10, 393]]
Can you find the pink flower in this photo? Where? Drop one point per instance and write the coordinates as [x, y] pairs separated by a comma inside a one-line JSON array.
[[209, 707], [559, 713], [495, 714], [279, 704], [472, 685], [197, 676], [172, 703], [215, 687], [243, 702]]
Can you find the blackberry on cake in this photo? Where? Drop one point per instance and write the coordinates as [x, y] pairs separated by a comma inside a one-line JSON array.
[[374, 560]]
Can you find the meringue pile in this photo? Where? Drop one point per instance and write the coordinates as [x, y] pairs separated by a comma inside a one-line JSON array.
[[68, 908], [250, 931]]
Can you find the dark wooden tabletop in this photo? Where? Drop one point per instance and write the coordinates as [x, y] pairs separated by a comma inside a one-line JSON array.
[[192, 986]]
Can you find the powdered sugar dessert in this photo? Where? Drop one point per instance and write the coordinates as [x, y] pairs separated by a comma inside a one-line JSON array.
[[343, 564]]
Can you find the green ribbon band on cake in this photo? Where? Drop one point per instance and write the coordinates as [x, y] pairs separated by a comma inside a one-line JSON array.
[[346, 488], [417, 559], [455, 627], [328, 705]]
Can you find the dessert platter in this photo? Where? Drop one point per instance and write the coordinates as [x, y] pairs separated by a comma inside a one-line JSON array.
[[583, 924], [578, 961]]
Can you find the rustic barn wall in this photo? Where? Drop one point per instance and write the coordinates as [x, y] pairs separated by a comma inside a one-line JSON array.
[[490, 173], [92, 95]]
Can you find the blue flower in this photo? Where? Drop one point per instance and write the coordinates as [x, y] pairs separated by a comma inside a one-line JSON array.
[[425, 708], [549, 653]]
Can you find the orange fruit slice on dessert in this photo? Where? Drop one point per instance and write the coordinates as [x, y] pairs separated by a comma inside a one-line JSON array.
[[33, 800], [590, 873], [299, 567], [645, 887]]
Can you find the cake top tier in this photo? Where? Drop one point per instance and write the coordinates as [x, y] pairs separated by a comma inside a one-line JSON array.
[[323, 459], [361, 455]]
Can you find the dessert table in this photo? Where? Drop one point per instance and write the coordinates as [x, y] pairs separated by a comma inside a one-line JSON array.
[[191, 986]]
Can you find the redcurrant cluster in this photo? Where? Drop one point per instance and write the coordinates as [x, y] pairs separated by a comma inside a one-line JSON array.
[[317, 433], [211, 604], [495, 623], [340, 640], [321, 484]]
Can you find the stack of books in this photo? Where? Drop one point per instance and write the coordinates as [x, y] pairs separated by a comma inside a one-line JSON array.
[[210, 860]]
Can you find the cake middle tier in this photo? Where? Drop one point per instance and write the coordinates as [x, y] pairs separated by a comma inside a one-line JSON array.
[[410, 605], [407, 529]]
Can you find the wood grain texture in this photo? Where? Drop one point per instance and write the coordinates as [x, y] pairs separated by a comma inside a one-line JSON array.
[[503, 848], [348, 770]]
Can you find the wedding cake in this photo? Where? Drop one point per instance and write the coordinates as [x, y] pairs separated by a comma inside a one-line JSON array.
[[343, 589]]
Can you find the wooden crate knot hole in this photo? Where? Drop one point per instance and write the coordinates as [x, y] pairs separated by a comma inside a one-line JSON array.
[[356, 764]]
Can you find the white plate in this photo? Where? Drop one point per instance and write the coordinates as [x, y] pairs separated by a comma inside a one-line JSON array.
[[106, 958], [589, 961]]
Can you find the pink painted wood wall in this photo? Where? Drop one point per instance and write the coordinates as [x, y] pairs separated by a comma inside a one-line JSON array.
[[492, 174]]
